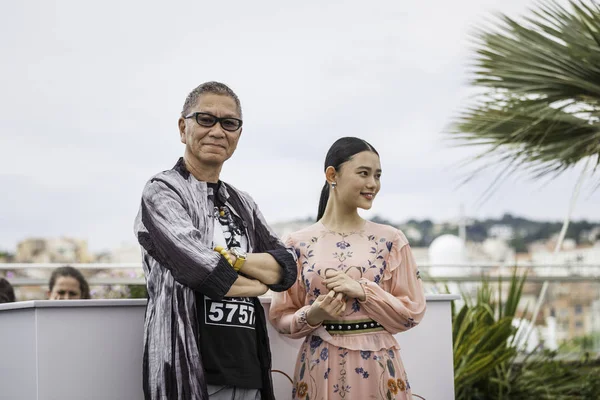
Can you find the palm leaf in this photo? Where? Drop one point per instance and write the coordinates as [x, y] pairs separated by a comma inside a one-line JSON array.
[[540, 109]]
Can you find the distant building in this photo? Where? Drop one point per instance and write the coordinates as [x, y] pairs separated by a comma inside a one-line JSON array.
[[574, 306], [412, 234], [579, 260], [282, 229], [421, 255], [501, 231], [595, 315], [125, 253], [590, 236], [448, 257], [54, 250], [491, 251]]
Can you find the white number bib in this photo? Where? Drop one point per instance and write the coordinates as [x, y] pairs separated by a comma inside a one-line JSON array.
[[234, 312]]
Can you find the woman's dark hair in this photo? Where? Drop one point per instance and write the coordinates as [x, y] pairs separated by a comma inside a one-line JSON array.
[[7, 293], [73, 273], [341, 151]]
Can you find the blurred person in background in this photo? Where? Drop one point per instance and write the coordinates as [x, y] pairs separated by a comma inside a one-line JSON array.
[[7, 293], [68, 283]]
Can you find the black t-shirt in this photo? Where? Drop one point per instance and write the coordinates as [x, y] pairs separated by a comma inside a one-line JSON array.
[[228, 342]]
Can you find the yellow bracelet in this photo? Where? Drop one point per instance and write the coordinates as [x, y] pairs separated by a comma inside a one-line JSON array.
[[224, 253], [238, 264]]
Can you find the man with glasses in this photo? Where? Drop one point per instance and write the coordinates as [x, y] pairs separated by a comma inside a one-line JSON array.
[[207, 255]]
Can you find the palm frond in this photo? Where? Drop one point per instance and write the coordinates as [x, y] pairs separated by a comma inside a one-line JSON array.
[[541, 105]]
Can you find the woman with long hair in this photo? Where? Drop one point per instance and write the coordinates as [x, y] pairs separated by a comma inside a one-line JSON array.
[[68, 283], [357, 286]]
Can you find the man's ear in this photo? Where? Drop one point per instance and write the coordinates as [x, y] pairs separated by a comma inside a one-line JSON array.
[[181, 124]]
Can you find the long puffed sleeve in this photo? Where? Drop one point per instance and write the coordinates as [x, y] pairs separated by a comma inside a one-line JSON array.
[[402, 305], [288, 312]]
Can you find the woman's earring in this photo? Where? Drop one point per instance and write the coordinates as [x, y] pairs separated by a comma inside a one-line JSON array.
[[333, 185]]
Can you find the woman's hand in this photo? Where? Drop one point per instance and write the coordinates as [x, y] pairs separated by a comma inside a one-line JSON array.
[[331, 306], [339, 282]]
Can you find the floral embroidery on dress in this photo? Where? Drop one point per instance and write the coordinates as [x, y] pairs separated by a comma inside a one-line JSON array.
[[376, 263], [316, 352], [401, 385], [379, 252], [325, 371], [361, 371], [302, 389], [343, 245], [341, 257], [324, 354], [410, 323], [342, 388], [392, 386]]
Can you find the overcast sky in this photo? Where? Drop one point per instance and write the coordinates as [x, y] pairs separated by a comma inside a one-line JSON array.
[[91, 92]]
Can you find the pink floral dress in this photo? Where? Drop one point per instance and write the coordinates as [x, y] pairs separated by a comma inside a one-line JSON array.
[[355, 357]]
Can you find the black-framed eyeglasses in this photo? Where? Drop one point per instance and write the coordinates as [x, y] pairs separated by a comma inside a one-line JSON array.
[[208, 120]]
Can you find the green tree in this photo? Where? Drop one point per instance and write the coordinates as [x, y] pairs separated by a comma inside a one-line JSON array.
[[518, 243]]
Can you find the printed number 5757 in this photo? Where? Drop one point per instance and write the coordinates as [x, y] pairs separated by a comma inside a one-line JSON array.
[[244, 313]]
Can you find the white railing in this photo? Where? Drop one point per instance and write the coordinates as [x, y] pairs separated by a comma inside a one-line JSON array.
[[422, 265], [19, 266], [467, 272]]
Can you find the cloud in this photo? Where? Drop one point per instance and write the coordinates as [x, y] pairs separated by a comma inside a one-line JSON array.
[[92, 93]]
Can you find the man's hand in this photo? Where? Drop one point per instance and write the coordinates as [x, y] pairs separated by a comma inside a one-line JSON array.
[[231, 257], [339, 282], [261, 266], [245, 287], [331, 306]]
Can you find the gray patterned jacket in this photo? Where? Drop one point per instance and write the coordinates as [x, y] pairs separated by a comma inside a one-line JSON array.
[[175, 229]]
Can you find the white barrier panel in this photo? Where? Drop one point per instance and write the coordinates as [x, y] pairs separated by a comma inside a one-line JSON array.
[[92, 350]]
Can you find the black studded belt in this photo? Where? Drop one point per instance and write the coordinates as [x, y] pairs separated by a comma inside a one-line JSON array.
[[359, 326]]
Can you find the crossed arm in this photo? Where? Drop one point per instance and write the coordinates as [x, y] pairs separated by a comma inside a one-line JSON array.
[[260, 270], [168, 234]]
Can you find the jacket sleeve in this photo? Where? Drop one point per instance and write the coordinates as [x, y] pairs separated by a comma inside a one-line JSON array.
[[165, 230], [268, 242]]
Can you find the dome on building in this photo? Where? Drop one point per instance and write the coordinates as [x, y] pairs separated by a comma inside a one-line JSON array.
[[447, 249], [497, 249]]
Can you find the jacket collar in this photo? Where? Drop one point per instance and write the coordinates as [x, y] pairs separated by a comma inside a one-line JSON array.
[[186, 174]]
